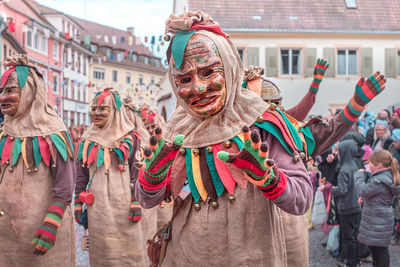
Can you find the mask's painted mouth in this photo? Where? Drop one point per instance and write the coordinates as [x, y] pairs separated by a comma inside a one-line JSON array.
[[204, 101]]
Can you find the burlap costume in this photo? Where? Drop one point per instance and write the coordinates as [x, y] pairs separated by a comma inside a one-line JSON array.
[[246, 230], [114, 240], [27, 191]]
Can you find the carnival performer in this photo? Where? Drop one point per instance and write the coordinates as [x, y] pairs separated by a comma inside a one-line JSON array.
[[118, 228], [233, 225], [37, 173]]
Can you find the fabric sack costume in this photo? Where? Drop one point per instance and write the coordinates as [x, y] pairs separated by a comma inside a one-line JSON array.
[[118, 228], [37, 176]]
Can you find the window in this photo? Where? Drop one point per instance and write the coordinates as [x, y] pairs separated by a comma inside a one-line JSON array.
[[55, 84], [157, 63], [140, 79], [146, 60], [290, 62], [152, 80], [128, 78], [241, 51], [347, 62], [29, 39], [93, 48], [115, 76], [152, 102], [108, 52], [44, 43], [134, 58], [141, 100], [98, 74], [351, 3], [55, 50], [37, 40]]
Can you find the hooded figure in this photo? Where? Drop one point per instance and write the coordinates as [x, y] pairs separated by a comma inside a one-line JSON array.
[[105, 181], [37, 174]]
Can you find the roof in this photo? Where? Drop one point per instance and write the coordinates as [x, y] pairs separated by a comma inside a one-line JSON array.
[[140, 66], [16, 45], [103, 35], [302, 15]]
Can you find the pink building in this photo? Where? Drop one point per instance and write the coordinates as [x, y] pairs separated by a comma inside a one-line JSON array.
[[41, 41]]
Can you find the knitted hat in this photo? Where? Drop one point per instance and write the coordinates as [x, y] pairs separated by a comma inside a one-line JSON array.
[[396, 135]]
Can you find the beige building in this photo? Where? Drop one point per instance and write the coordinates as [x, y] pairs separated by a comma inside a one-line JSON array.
[[121, 61]]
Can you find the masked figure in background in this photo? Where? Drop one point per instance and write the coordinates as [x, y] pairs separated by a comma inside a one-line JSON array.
[[37, 174], [105, 181]]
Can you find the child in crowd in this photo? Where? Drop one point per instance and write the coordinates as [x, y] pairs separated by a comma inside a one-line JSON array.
[[377, 194]]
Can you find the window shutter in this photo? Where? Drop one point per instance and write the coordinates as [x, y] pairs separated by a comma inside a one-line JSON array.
[[310, 55], [366, 61], [390, 62], [252, 56], [271, 64], [329, 55]]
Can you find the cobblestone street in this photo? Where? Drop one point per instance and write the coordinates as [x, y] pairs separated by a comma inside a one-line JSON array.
[[319, 256]]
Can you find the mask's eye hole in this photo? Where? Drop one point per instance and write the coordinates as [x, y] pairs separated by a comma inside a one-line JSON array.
[[186, 80], [207, 72]]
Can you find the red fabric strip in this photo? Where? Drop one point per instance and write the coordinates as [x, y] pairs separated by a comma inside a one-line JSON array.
[[44, 150], [5, 76], [223, 171], [151, 117], [92, 154], [148, 186], [268, 116], [101, 97], [244, 164], [212, 28], [5, 155], [46, 233], [279, 188]]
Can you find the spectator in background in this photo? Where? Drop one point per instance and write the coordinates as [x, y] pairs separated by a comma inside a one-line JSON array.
[[348, 207], [382, 139], [396, 119], [395, 151], [377, 194]]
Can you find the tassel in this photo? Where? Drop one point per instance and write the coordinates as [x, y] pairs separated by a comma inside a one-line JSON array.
[[60, 145], [107, 158], [16, 150], [23, 152], [36, 151], [44, 151]]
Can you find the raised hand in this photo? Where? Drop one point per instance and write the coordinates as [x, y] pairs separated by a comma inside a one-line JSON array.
[[252, 159], [158, 158], [366, 90], [319, 71]]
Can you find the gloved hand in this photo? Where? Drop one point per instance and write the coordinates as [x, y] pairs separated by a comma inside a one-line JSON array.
[[135, 213], [366, 90], [46, 235], [319, 71], [77, 209], [158, 158], [252, 159]]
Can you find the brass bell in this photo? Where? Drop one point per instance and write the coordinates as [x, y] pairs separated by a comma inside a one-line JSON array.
[[209, 149], [11, 169], [260, 119], [228, 144], [296, 158], [196, 151], [231, 198], [182, 151], [167, 199], [302, 155], [106, 172], [83, 165], [7, 162], [54, 165], [35, 169], [272, 106], [29, 170], [214, 204], [11, 138], [132, 185], [197, 206], [1, 213]]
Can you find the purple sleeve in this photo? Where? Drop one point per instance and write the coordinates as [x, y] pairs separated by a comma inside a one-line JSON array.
[[298, 194], [132, 159], [327, 134], [82, 178], [301, 110], [64, 178], [148, 199]]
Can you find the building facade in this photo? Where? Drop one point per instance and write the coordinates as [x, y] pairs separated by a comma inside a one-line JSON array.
[[286, 38]]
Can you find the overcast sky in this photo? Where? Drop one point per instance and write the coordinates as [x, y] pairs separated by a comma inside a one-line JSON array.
[[147, 16]]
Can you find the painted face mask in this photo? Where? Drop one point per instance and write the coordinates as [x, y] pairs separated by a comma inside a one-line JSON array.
[[201, 79], [100, 114], [10, 95]]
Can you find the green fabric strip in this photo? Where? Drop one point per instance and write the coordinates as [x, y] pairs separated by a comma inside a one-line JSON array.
[[274, 130], [49, 229], [60, 145], [42, 243], [36, 151], [179, 44], [81, 150], [119, 153], [118, 101], [128, 141], [96, 95], [238, 141], [2, 142], [22, 75], [70, 142], [16, 151], [309, 140], [292, 130], [54, 217], [219, 186], [100, 157], [59, 204], [189, 175]]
